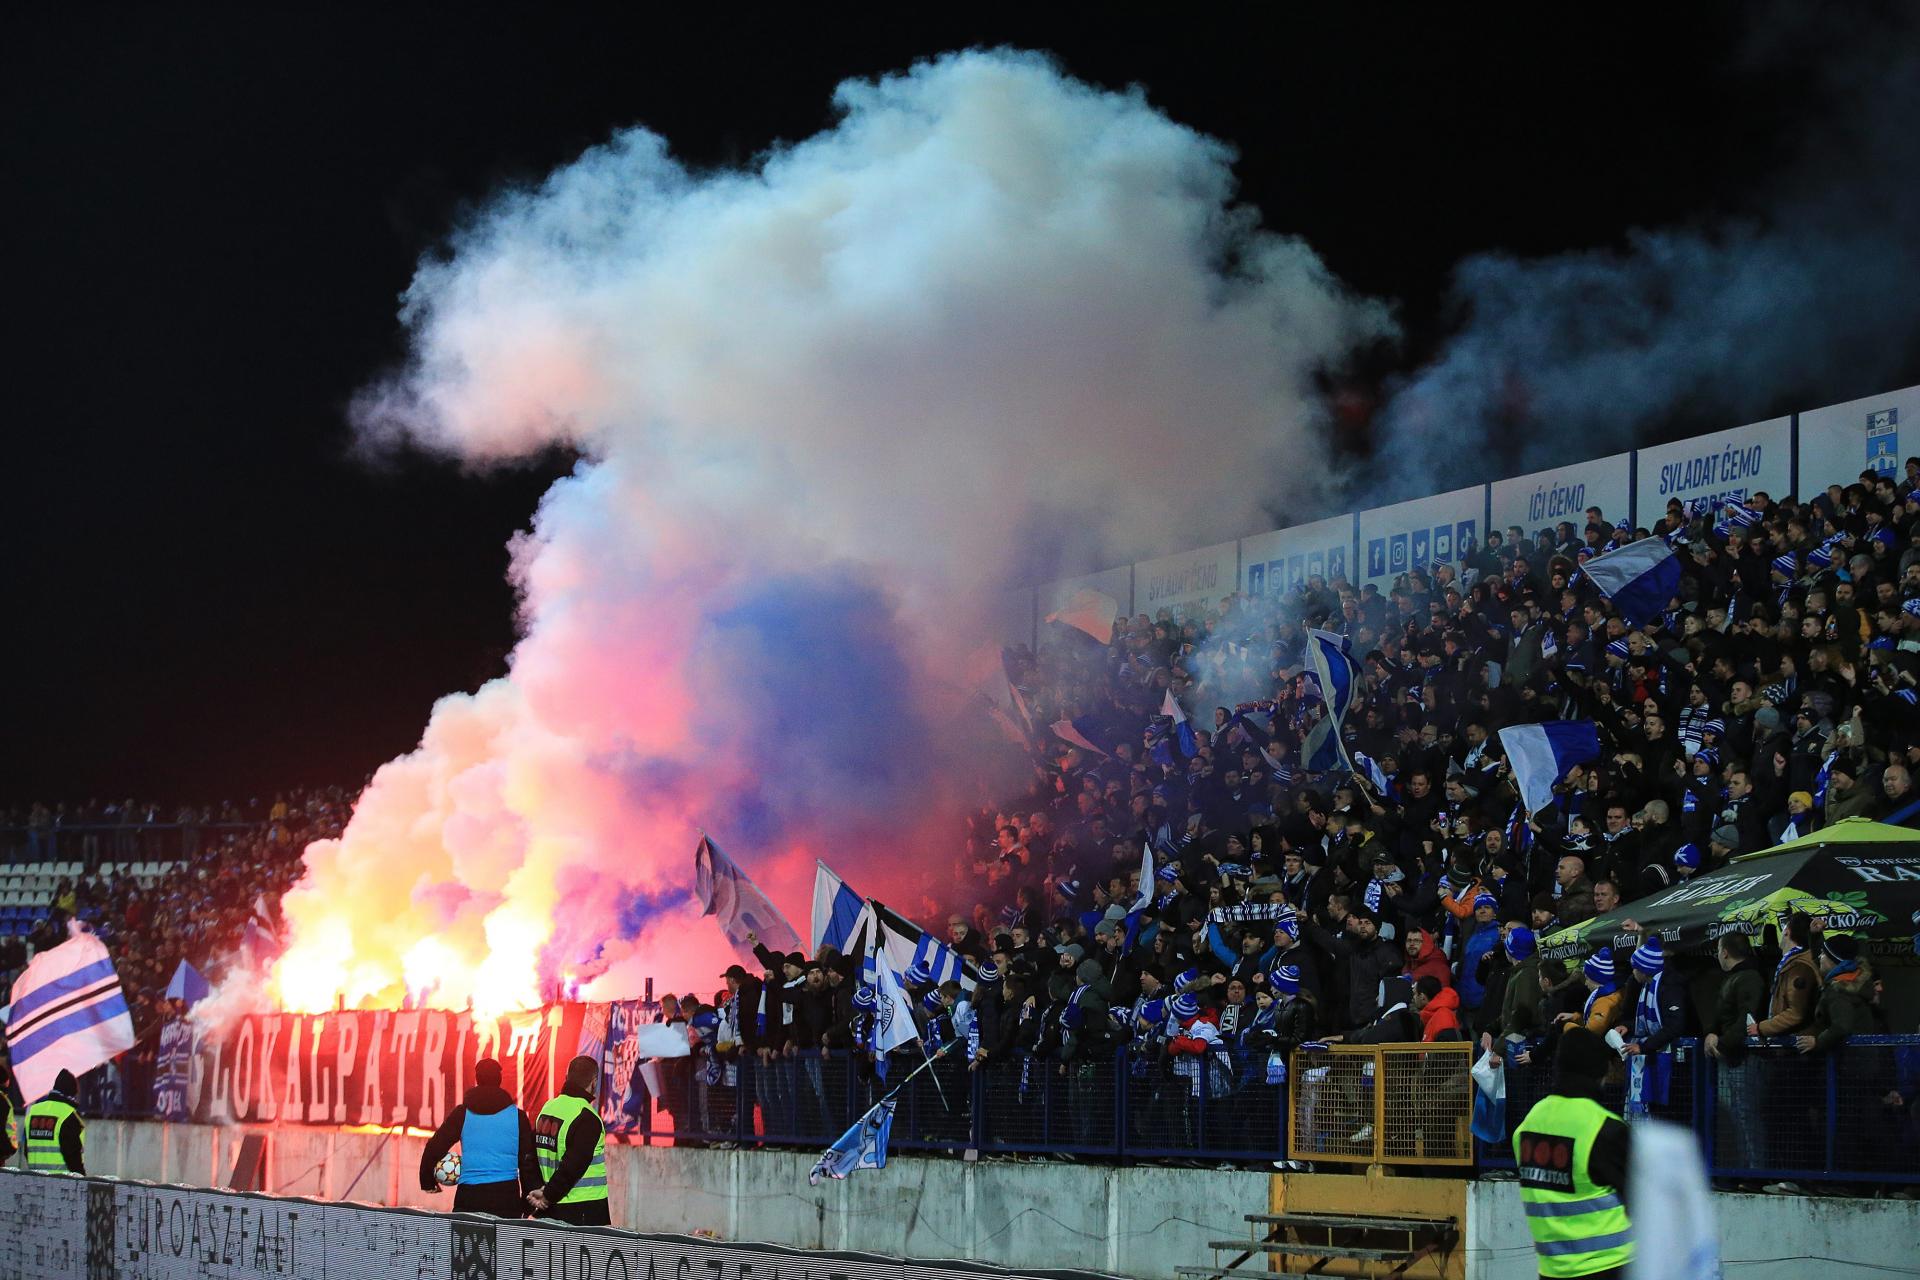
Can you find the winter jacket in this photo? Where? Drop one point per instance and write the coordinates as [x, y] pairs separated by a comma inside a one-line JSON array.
[[1743, 991], [1844, 1009], [1431, 962], [1796, 989], [1482, 942], [1440, 1019], [1520, 1000]]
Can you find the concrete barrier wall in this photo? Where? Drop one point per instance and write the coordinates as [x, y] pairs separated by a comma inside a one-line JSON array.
[[1142, 1221], [1761, 1237], [1135, 1221]]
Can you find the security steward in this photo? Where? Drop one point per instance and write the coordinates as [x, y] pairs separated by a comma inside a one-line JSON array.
[[56, 1136], [497, 1164], [572, 1150], [1572, 1158]]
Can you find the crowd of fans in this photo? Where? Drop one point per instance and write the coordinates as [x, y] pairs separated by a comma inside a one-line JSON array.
[[1401, 901], [227, 867], [1406, 900]]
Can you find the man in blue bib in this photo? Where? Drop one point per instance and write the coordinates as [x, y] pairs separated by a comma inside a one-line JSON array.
[[496, 1149]]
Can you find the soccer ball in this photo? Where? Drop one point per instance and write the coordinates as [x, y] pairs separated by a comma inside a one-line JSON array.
[[447, 1172]]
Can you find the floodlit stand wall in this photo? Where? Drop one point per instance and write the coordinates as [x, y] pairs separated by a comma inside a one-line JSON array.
[[1801, 453]]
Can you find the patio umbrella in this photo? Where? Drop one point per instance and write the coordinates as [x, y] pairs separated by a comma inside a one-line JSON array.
[[1861, 877]]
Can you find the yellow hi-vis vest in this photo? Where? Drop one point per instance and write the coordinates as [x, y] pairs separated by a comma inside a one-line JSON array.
[[44, 1119], [549, 1147], [1578, 1226]]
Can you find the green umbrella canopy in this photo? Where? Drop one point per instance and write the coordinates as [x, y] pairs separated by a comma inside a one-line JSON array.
[[1862, 877]]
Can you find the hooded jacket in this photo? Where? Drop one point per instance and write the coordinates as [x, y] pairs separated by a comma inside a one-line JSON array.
[[1844, 1008], [1431, 962], [1441, 1016], [1481, 942]]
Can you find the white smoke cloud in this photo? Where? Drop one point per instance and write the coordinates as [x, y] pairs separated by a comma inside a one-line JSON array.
[[822, 401]]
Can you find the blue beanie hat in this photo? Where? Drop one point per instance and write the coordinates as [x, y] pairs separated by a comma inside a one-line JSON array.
[[1154, 1012], [1687, 855], [1649, 956], [1520, 943], [1168, 871], [1186, 978], [1599, 966], [1184, 1005], [919, 973], [1485, 899], [1784, 564], [989, 971], [1617, 649], [1289, 925], [865, 997], [1286, 978]]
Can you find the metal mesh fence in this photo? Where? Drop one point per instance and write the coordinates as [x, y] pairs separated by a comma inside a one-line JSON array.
[[1334, 1104], [1837, 1116], [1426, 1103]]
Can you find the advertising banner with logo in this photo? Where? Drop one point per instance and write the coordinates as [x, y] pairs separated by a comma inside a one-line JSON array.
[[1545, 498], [65, 1228], [1278, 562], [1840, 441], [1190, 582], [1117, 583], [1419, 533], [1708, 472]]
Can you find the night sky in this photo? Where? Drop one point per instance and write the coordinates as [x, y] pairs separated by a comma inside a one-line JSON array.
[[210, 216]]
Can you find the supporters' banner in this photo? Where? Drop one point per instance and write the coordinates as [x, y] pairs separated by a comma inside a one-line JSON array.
[[1419, 534], [623, 1097], [1118, 583], [1188, 583], [1545, 498], [173, 1070], [374, 1067], [1840, 441], [1282, 561], [1707, 472]]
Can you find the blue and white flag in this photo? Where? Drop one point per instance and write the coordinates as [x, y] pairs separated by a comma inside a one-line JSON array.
[[893, 1017], [1143, 898], [1183, 732], [187, 985], [1541, 754], [836, 909], [1334, 670], [862, 1147], [1382, 785], [68, 1014], [725, 891], [1640, 578]]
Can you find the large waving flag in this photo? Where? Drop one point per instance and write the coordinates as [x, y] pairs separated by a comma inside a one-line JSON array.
[[836, 909], [1541, 754], [1183, 732], [68, 1014], [862, 1147], [1338, 676], [1084, 734], [893, 1015], [187, 985], [1640, 578], [726, 891], [1089, 611], [1144, 897], [882, 931]]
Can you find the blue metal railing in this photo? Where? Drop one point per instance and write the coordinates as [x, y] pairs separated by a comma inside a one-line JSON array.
[[1846, 1116], [1780, 1115]]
